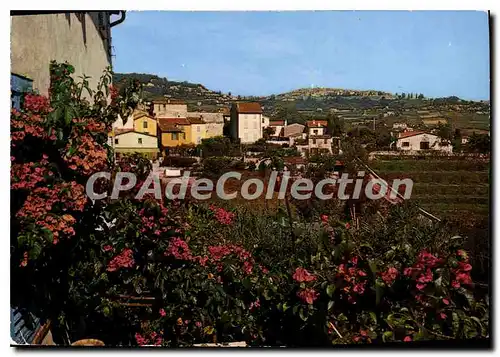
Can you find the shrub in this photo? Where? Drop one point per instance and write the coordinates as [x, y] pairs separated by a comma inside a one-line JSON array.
[[177, 161]]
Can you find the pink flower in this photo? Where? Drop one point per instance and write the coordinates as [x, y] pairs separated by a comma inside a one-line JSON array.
[[302, 275], [421, 286], [140, 340], [123, 260], [446, 301], [324, 218], [162, 312], [308, 295], [107, 248], [407, 339], [455, 284], [464, 266], [354, 260], [390, 275], [442, 315], [347, 226], [198, 324]]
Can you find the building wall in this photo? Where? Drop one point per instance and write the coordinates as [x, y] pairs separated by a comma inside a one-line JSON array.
[[320, 143], [277, 129], [249, 127], [198, 132], [214, 129], [130, 140], [414, 143], [317, 131], [167, 140], [165, 110], [119, 124], [151, 125], [38, 39]]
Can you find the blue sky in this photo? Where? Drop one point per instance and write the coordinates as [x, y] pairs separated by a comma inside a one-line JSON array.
[[437, 53]]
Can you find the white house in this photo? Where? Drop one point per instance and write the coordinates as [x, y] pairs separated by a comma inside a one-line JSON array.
[[316, 127], [246, 122], [278, 126], [129, 141], [421, 140]]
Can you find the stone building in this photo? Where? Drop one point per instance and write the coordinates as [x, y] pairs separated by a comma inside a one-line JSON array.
[[83, 39]]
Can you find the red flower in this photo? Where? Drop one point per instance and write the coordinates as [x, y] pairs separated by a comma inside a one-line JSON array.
[[140, 340], [122, 260], [162, 312], [308, 295], [107, 248], [421, 286], [324, 218], [302, 275], [442, 315], [390, 275], [198, 324], [446, 301], [407, 339], [347, 226], [455, 284], [354, 260]]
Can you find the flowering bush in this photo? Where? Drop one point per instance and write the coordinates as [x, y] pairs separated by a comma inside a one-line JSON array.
[[210, 273]]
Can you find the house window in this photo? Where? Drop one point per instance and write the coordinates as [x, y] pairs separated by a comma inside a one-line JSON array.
[[116, 141], [255, 125], [183, 136], [325, 141], [175, 136], [424, 145], [314, 141], [139, 140], [145, 124], [406, 143], [198, 129], [262, 120]]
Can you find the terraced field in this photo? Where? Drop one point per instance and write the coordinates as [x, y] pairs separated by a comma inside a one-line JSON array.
[[446, 188]]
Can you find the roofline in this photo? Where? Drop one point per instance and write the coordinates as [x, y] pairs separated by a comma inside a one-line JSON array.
[[135, 132]]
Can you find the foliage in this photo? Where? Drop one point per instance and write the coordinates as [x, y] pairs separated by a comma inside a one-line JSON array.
[[212, 273], [178, 161]]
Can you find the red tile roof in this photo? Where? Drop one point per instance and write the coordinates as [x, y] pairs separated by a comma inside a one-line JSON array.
[[317, 123], [167, 101], [407, 134], [249, 108], [194, 120], [176, 121], [277, 123]]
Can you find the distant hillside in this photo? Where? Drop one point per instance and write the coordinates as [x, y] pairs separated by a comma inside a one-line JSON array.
[[355, 106]]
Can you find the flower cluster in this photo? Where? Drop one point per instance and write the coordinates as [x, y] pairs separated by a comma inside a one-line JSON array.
[[152, 224], [389, 276], [354, 279], [422, 270], [123, 260], [26, 176], [302, 275], [221, 215], [179, 249], [43, 203], [88, 156], [217, 253], [23, 124], [308, 295], [152, 339], [36, 104], [461, 272]]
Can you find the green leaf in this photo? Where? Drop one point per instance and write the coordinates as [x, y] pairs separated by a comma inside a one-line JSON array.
[[378, 293], [373, 316], [387, 335], [330, 289], [330, 304], [301, 314], [285, 307], [208, 330]]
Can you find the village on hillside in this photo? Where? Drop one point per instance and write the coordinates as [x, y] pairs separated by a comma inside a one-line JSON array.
[[113, 244]]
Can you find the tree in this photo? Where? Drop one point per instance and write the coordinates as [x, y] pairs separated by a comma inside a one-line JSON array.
[[420, 96], [479, 143], [267, 132], [403, 95], [335, 125], [444, 132]]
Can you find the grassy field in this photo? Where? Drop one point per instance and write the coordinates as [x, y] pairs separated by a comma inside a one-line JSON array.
[[447, 188]]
